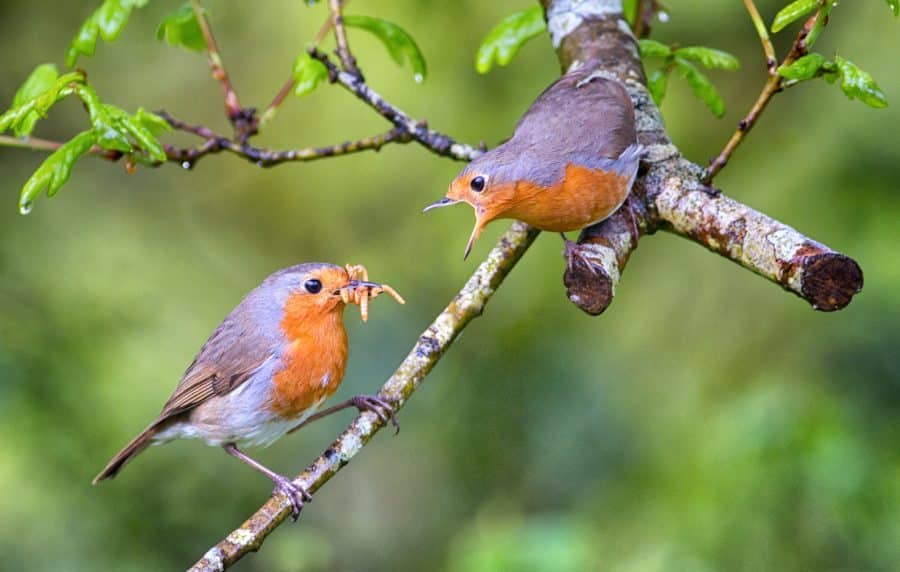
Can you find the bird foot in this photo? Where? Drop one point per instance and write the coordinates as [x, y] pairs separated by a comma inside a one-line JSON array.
[[296, 494], [573, 254], [379, 407]]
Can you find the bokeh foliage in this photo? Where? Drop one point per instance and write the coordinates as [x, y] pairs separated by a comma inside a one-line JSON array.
[[706, 421]]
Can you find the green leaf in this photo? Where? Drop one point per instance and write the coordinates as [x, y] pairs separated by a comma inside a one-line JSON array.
[[107, 22], [107, 133], [53, 173], [629, 10], [819, 22], [27, 112], [894, 6], [180, 28], [504, 40], [153, 122], [38, 82], [709, 57], [657, 84], [858, 84], [702, 87], [142, 135], [308, 73], [652, 48], [398, 42], [793, 12], [803, 68]]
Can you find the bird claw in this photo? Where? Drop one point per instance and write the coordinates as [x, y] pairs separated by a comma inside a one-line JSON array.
[[295, 494], [573, 253], [379, 407]]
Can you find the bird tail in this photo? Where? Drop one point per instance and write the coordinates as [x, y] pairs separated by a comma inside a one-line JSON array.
[[134, 447]]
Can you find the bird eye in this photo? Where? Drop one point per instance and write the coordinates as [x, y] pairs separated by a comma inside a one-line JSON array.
[[312, 286], [477, 184]]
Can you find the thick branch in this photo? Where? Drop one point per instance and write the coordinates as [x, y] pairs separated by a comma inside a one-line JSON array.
[[469, 303], [671, 192]]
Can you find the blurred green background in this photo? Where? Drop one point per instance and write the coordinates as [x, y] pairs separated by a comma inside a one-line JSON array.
[[707, 421]]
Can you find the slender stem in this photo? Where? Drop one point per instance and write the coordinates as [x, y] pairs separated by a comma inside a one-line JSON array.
[[340, 36], [773, 85], [762, 31], [288, 85], [232, 106], [437, 142]]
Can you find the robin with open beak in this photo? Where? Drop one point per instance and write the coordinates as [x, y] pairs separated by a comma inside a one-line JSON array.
[[570, 163], [267, 368]]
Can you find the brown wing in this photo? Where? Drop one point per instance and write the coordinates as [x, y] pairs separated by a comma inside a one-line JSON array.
[[231, 354]]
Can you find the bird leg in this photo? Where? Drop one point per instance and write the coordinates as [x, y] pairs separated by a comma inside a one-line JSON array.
[[295, 493], [372, 403], [573, 253]]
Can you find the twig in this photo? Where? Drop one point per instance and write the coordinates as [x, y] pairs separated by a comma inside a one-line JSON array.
[[288, 85], [773, 85], [340, 37], [762, 31], [437, 142], [232, 105], [428, 350]]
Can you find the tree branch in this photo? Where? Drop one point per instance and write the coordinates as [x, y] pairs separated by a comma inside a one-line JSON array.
[[232, 105], [774, 84], [670, 193], [468, 304]]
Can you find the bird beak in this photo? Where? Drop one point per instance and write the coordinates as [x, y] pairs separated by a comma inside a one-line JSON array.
[[444, 202], [480, 222]]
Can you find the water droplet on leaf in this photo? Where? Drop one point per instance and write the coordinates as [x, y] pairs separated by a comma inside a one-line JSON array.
[[25, 208]]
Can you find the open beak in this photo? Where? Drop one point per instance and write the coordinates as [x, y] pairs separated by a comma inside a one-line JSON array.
[[444, 202], [480, 222]]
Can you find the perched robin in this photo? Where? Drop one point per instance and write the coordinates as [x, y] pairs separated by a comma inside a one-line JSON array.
[[570, 163], [267, 368]]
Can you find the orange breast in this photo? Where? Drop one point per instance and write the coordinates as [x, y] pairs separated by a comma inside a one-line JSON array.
[[584, 196], [314, 362]]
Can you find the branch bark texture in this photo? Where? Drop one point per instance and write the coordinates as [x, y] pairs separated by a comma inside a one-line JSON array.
[[670, 193]]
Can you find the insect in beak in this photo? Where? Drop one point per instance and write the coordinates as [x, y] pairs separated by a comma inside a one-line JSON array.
[[444, 202], [359, 292]]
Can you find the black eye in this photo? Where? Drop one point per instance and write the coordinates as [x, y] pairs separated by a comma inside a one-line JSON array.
[[312, 286], [477, 184]]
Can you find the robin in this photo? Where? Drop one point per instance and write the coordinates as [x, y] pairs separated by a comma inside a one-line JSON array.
[[267, 368], [570, 163]]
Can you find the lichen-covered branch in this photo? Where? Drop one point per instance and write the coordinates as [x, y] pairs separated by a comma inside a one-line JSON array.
[[670, 193], [431, 345]]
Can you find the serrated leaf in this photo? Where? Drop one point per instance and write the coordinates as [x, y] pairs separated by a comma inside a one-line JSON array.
[[894, 5], [41, 80], [506, 38], [702, 87], [38, 106], [657, 84], [793, 12], [308, 74], [400, 45], [53, 173], [180, 28], [107, 22], [858, 84], [709, 57], [803, 68], [652, 48]]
